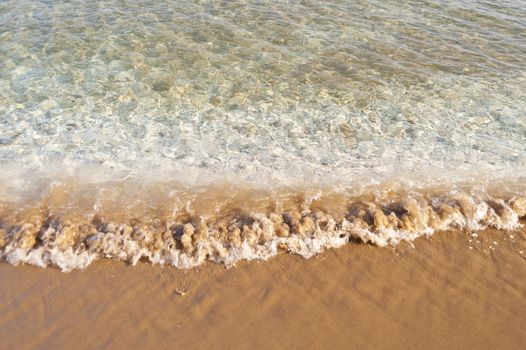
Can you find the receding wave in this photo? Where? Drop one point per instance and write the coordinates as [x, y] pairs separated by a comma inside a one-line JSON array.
[[73, 224]]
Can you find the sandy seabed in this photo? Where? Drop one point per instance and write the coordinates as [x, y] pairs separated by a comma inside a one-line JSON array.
[[452, 290]]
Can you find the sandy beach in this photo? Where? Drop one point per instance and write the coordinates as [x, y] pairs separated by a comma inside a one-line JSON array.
[[437, 294], [181, 174]]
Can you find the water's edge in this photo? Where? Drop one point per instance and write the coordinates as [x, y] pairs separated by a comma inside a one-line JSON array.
[[229, 223]]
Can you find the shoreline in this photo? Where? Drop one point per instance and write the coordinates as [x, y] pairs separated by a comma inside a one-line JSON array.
[[436, 292], [229, 225]]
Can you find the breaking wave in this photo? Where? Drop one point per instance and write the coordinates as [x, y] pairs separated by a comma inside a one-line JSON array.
[[228, 222]]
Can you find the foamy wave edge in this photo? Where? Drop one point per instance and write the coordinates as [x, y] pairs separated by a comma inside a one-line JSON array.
[[70, 246], [58, 242]]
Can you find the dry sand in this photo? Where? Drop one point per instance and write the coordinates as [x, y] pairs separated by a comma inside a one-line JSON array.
[[438, 294]]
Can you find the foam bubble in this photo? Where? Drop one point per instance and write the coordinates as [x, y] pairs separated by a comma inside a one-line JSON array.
[[229, 224]]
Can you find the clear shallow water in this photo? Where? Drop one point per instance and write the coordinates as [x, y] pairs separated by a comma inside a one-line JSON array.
[[270, 94], [234, 86]]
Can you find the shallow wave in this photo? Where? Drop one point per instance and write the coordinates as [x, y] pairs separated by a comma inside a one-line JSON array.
[[181, 132], [72, 224]]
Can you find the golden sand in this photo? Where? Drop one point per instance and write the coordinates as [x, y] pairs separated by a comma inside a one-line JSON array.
[[454, 290]]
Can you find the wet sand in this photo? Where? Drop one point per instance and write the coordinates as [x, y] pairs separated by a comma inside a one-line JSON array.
[[438, 294]]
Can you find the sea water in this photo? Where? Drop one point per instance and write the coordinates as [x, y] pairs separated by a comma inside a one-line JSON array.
[[186, 131]]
